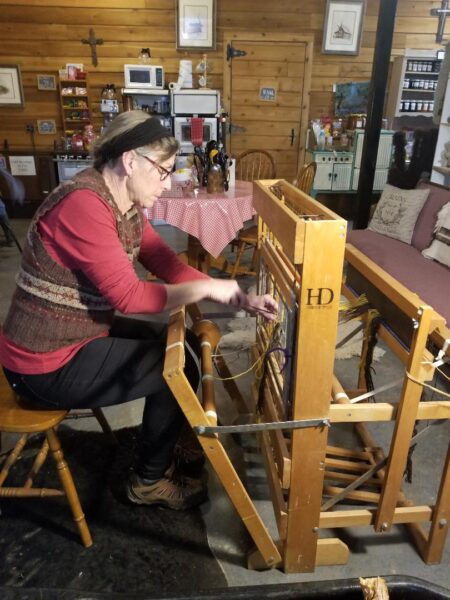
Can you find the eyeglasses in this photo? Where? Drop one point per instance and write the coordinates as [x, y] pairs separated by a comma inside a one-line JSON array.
[[163, 173]]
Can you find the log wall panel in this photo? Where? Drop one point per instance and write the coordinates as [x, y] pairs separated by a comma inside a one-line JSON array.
[[42, 35]]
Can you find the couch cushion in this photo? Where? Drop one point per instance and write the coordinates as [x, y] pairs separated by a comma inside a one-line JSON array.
[[426, 221], [397, 212], [429, 279]]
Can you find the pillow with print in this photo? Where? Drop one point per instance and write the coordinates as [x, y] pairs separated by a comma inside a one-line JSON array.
[[440, 246], [397, 212]]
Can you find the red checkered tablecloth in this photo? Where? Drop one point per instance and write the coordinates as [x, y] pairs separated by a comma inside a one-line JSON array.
[[214, 219]]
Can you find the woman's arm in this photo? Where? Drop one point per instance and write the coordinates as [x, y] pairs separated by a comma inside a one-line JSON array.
[[159, 258], [80, 233]]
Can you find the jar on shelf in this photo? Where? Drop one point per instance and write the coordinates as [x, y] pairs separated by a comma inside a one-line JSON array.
[[88, 138], [77, 143]]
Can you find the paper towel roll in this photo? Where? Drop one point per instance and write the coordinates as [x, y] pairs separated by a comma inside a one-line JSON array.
[[185, 72]]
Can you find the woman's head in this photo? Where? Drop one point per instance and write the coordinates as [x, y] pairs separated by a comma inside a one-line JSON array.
[[134, 130]]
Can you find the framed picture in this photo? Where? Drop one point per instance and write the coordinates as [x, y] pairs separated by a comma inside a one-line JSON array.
[[196, 24], [11, 91], [46, 82], [343, 26], [46, 126]]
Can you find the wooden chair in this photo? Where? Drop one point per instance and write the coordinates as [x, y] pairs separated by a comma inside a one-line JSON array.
[[305, 177], [18, 419], [255, 164], [251, 165]]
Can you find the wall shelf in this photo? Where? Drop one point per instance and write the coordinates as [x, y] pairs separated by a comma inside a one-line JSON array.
[[69, 123], [397, 93]]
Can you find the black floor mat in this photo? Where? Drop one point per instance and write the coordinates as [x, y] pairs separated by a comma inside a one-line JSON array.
[[136, 549]]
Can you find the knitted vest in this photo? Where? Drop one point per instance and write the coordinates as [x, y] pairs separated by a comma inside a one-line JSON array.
[[53, 306]]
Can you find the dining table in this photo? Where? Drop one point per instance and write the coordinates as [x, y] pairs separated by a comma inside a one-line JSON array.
[[211, 220]]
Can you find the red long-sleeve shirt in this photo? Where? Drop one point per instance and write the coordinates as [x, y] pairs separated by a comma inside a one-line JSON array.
[[80, 233]]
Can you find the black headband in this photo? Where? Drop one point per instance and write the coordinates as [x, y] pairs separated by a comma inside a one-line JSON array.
[[143, 134]]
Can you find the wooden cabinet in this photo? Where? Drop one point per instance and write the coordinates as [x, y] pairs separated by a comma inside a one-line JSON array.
[[339, 171], [412, 87], [75, 105], [383, 158], [334, 170]]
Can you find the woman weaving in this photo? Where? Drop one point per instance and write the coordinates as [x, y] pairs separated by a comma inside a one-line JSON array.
[[63, 346]]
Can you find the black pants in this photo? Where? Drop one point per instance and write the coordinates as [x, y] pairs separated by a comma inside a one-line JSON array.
[[126, 365]]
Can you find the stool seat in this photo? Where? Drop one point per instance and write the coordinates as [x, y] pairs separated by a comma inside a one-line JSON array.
[[16, 417]]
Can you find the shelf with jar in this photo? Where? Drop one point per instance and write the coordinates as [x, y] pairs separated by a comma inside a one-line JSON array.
[[74, 101], [412, 86]]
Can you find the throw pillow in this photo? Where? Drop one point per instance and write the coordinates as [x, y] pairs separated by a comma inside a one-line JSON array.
[[440, 246], [397, 211]]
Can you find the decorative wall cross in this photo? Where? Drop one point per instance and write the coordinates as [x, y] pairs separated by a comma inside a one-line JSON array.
[[442, 14], [93, 42]]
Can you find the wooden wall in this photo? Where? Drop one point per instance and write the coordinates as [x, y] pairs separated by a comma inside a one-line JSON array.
[[42, 35]]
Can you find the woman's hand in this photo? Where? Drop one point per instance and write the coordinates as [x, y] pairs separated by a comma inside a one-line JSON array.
[[262, 305], [227, 291], [224, 291]]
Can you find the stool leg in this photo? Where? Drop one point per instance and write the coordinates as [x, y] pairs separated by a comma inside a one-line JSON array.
[[12, 457], [38, 462], [237, 262], [99, 415], [66, 479]]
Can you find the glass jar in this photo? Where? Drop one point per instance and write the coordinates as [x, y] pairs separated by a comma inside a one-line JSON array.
[[88, 138]]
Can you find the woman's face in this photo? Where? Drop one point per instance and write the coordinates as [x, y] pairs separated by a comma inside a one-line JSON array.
[[151, 177]]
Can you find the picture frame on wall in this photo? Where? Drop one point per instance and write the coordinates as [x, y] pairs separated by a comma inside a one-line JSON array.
[[343, 26], [11, 90], [46, 126], [46, 82], [196, 24]]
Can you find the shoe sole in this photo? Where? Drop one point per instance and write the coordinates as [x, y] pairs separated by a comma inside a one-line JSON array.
[[194, 501]]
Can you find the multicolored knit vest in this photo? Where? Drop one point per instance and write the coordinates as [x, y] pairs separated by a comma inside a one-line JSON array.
[[53, 306]]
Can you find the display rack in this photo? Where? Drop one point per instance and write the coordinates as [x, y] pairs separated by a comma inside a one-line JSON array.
[[413, 85], [75, 105]]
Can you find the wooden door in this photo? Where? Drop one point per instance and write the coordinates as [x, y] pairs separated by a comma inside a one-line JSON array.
[[266, 93]]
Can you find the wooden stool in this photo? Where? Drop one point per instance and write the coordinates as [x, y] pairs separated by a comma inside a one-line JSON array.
[[16, 418]]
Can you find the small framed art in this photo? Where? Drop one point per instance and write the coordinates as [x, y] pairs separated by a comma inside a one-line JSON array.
[[343, 26], [46, 126], [46, 82], [11, 91], [196, 24]]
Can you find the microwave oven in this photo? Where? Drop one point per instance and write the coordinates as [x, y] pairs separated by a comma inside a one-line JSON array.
[[182, 132], [144, 77]]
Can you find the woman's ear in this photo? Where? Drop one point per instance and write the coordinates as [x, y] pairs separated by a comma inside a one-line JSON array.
[[129, 160]]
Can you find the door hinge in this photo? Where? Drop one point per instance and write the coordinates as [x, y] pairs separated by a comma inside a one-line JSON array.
[[234, 52]]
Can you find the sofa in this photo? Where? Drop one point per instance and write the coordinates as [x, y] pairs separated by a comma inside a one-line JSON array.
[[427, 278]]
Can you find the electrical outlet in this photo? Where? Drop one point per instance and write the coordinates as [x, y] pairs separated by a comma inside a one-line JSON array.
[[29, 128]]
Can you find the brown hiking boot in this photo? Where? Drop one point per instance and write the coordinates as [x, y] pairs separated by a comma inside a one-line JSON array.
[[179, 494]]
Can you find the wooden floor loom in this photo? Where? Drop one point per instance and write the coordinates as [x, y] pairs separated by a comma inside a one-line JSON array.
[[297, 397]]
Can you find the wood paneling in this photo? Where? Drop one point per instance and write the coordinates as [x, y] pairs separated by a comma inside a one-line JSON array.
[[42, 35]]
